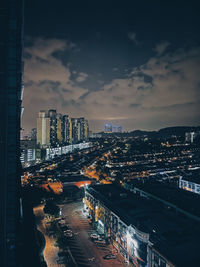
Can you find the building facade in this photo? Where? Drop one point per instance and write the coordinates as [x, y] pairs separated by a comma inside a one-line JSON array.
[[127, 239], [43, 129], [191, 184], [142, 229], [191, 136], [54, 129], [11, 89], [110, 128]]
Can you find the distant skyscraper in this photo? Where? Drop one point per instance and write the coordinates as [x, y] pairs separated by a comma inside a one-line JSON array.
[[116, 128], [59, 128], [81, 122], [67, 129], [190, 136], [86, 130], [11, 73], [53, 126], [43, 128], [80, 129], [110, 128], [54, 129], [75, 130], [33, 134]]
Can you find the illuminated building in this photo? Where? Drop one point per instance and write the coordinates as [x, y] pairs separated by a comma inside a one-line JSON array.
[[190, 136], [81, 122], [53, 127], [28, 152], [191, 182], [80, 129], [143, 230], [11, 80], [43, 129], [110, 128], [86, 130], [65, 128], [34, 134], [75, 130], [70, 130], [59, 128]]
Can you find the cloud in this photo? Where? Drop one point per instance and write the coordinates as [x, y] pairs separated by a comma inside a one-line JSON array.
[[162, 92], [161, 48], [165, 91], [132, 37], [81, 77], [115, 69], [47, 80]]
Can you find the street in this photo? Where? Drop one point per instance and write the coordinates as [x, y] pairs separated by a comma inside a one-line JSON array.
[[50, 251]]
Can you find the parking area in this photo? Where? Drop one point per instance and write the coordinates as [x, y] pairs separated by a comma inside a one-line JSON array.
[[88, 248]]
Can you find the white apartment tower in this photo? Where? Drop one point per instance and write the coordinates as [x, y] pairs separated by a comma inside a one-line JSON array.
[[43, 128]]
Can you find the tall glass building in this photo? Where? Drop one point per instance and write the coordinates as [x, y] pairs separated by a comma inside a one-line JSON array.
[[11, 77]]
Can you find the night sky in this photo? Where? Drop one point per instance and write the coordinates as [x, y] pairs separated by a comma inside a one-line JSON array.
[[134, 63]]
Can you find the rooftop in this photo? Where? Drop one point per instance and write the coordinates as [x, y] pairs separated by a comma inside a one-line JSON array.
[[192, 176], [182, 199]]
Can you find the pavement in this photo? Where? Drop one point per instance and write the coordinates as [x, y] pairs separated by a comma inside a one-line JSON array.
[[81, 246], [50, 251]]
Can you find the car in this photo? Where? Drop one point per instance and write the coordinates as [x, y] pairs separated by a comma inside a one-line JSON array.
[[68, 234], [68, 231], [101, 245], [100, 242], [109, 257], [91, 259], [94, 236]]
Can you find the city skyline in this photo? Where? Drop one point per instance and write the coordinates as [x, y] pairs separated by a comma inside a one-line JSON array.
[[130, 64], [113, 196], [54, 128]]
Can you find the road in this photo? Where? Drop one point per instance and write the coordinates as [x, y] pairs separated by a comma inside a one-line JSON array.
[[82, 248], [50, 251]]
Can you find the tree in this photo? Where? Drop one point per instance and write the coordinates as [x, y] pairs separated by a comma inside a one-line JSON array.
[[51, 208], [62, 241], [118, 178], [101, 177]]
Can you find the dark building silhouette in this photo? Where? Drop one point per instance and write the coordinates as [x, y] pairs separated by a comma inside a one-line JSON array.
[[11, 76], [53, 126]]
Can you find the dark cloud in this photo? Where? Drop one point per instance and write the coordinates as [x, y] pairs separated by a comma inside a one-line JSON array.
[[161, 47], [160, 88], [133, 105], [132, 37], [111, 61]]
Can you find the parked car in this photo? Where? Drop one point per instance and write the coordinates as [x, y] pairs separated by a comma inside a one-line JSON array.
[[94, 236], [68, 231], [109, 256], [91, 259], [100, 242], [68, 234]]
